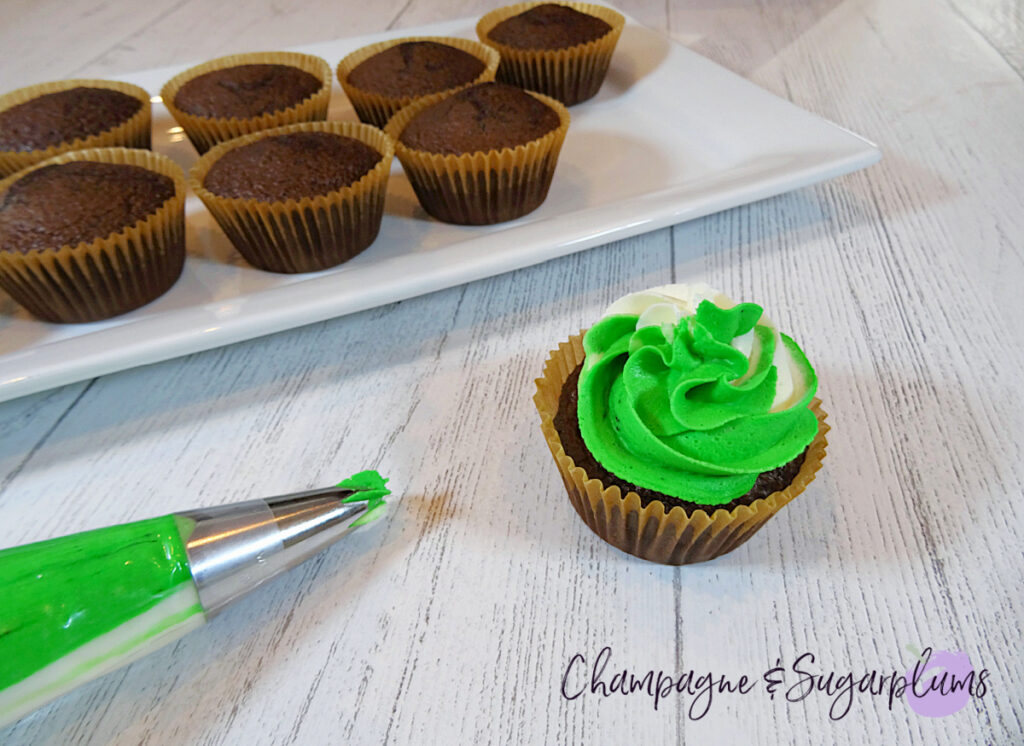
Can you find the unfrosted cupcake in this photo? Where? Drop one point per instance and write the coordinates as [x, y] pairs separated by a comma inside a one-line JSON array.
[[482, 155], [299, 198], [240, 94], [381, 78], [92, 233], [681, 422], [560, 49], [42, 121]]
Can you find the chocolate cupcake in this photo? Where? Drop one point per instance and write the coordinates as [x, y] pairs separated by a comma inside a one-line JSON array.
[[92, 233], [41, 121], [380, 79], [681, 422], [559, 49], [244, 93], [299, 198], [482, 155]]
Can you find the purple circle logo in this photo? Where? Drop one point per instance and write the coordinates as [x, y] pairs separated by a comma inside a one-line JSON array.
[[940, 683]]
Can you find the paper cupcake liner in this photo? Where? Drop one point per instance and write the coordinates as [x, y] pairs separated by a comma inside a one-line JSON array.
[[483, 187], [673, 537], [107, 276], [312, 233], [134, 132], [571, 75], [377, 109], [205, 132]]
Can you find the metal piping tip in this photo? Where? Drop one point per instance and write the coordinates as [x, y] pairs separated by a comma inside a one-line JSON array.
[[235, 548]]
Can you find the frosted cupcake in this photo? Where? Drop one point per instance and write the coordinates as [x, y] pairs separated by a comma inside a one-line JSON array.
[[681, 422]]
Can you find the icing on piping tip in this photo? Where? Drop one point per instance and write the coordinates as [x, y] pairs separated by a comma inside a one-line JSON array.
[[370, 488]]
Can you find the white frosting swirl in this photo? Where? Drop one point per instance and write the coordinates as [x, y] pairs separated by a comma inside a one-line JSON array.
[[665, 305]]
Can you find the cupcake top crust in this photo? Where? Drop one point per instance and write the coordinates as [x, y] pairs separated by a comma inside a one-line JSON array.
[[549, 26], [415, 68], [685, 393], [64, 116], [489, 116], [68, 203], [291, 166], [246, 91]]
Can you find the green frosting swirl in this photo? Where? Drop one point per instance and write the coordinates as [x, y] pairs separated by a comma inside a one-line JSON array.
[[681, 411]]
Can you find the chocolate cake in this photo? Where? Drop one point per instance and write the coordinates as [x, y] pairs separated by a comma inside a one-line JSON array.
[[246, 91], [64, 116], [290, 166], [415, 68], [77, 202], [484, 117], [549, 26], [567, 424]]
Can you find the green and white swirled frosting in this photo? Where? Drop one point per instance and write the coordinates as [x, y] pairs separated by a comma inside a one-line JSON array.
[[689, 394]]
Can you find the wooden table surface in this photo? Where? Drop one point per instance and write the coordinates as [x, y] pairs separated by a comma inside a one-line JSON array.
[[455, 618]]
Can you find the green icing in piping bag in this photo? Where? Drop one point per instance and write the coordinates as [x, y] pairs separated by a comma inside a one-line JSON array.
[[76, 607], [62, 593]]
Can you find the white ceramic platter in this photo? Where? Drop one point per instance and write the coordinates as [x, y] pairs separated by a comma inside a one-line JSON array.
[[670, 137]]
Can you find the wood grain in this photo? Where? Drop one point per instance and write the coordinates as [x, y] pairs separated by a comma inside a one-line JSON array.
[[453, 620]]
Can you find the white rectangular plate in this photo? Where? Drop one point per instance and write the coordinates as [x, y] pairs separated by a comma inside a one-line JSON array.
[[670, 137]]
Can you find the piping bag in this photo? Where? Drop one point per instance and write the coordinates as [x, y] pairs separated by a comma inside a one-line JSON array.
[[77, 607]]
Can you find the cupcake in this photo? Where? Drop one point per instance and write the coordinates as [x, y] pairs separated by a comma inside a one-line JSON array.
[[298, 198], [382, 78], [482, 155], [245, 93], [41, 121], [681, 422], [559, 49], [92, 233]]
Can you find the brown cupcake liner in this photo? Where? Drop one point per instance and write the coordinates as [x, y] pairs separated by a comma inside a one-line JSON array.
[[571, 75], [377, 109], [134, 132], [312, 233], [205, 132], [107, 276], [483, 187], [673, 537]]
